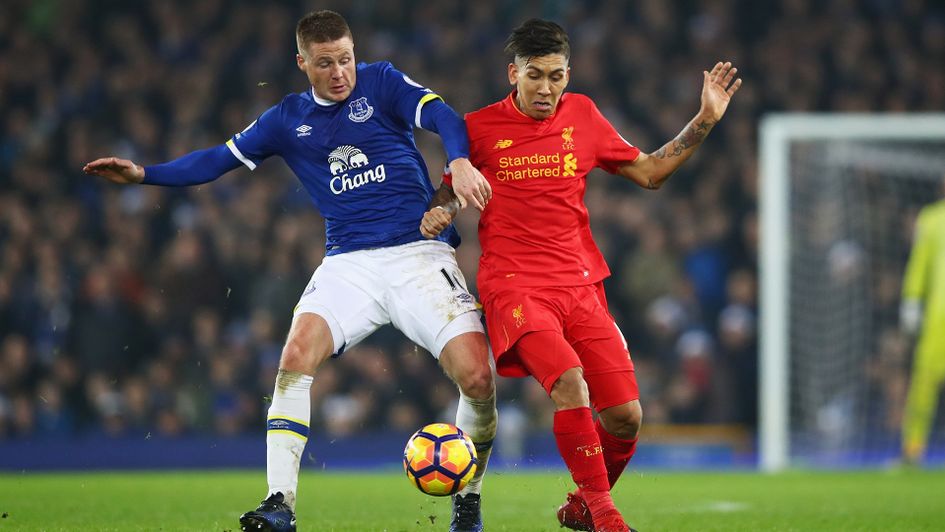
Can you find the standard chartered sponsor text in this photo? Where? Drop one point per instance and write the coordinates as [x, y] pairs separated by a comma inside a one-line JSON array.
[[525, 167]]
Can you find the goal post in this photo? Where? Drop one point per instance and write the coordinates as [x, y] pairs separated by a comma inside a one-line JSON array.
[[846, 157]]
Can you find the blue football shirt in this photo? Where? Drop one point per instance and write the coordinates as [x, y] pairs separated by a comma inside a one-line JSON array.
[[357, 159]]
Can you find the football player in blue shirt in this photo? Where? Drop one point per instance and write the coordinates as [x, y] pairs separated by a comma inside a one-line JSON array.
[[349, 139]]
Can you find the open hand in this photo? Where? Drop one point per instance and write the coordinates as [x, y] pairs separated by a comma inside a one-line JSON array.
[[718, 89], [121, 171]]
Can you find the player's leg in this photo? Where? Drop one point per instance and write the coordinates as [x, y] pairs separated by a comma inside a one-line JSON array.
[[610, 377], [308, 344], [618, 441], [430, 304], [618, 428], [554, 363], [465, 359], [608, 372], [615, 397], [928, 371], [337, 310]]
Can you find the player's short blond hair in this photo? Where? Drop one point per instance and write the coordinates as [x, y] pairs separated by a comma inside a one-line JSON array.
[[320, 26]]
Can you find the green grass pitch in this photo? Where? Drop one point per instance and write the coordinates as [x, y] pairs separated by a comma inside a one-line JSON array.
[[653, 501]]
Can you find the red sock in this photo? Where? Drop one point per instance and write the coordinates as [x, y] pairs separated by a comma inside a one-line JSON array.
[[617, 452], [580, 448]]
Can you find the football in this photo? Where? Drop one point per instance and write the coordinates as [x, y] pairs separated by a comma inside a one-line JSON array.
[[440, 459]]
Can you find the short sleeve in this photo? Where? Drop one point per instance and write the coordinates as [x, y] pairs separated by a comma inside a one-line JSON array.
[[404, 96], [259, 140], [613, 151]]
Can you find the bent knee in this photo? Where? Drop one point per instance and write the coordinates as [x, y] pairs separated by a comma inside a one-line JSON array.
[[477, 384], [570, 390], [623, 421], [295, 354], [630, 427]]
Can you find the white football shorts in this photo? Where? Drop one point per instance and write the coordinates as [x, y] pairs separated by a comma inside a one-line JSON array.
[[417, 287]]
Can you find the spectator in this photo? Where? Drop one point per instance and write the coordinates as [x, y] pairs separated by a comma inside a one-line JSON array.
[[83, 325]]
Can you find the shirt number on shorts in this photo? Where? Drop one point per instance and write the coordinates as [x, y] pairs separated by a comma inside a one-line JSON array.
[[452, 280]]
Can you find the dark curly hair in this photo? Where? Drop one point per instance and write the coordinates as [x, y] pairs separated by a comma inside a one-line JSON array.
[[536, 37]]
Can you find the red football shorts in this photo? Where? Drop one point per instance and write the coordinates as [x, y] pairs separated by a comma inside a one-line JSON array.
[[586, 336]]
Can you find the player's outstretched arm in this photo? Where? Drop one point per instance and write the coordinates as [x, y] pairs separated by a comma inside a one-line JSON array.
[[121, 171], [653, 169], [195, 168], [443, 209]]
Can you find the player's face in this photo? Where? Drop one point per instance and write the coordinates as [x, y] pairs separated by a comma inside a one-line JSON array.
[[540, 81], [330, 68]]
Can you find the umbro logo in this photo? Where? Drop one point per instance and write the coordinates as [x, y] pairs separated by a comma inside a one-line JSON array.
[[502, 144], [304, 130]]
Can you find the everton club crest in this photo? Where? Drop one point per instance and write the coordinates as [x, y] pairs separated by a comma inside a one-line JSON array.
[[361, 110]]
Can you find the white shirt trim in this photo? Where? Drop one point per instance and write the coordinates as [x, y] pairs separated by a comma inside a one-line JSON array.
[[321, 101], [427, 98], [627, 142], [236, 153]]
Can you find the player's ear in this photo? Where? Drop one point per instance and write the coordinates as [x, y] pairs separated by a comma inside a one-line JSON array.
[[299, 60], [513, 74]]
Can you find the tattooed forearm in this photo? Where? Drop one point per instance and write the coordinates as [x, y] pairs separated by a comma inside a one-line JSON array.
[[690, 137], [445, 199]]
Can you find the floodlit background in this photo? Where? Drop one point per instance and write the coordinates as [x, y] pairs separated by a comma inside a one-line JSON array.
[[142, 326]]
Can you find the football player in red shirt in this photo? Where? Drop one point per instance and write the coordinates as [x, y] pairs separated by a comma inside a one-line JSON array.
[[540, 273]]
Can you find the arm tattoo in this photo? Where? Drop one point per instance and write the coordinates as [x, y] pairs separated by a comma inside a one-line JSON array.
[[445, 199], [690, 137]]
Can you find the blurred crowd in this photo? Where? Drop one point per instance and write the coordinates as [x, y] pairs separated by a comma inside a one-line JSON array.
[[128, 310]]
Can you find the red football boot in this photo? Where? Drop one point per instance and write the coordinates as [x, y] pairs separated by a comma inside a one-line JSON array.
[[575, 514], [611, 521]]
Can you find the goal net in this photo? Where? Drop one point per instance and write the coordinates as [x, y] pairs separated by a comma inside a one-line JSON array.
[[839, 195]]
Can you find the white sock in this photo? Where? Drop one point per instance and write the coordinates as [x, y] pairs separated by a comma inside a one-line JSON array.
[[287, 432], [478, 419]]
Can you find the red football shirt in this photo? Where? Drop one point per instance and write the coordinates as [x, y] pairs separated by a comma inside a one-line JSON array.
[[535, 230]]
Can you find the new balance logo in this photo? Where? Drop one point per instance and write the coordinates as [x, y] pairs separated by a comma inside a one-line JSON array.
[[304, 130], [502, 144]]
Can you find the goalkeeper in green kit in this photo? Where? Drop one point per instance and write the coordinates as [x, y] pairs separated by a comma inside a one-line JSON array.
[[923, 312]]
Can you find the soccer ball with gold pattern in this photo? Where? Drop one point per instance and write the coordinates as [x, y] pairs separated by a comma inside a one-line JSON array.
[[440, 459]]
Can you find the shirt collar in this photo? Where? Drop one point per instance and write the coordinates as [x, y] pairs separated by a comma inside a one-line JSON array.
[[321, 101], [514, 105]]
